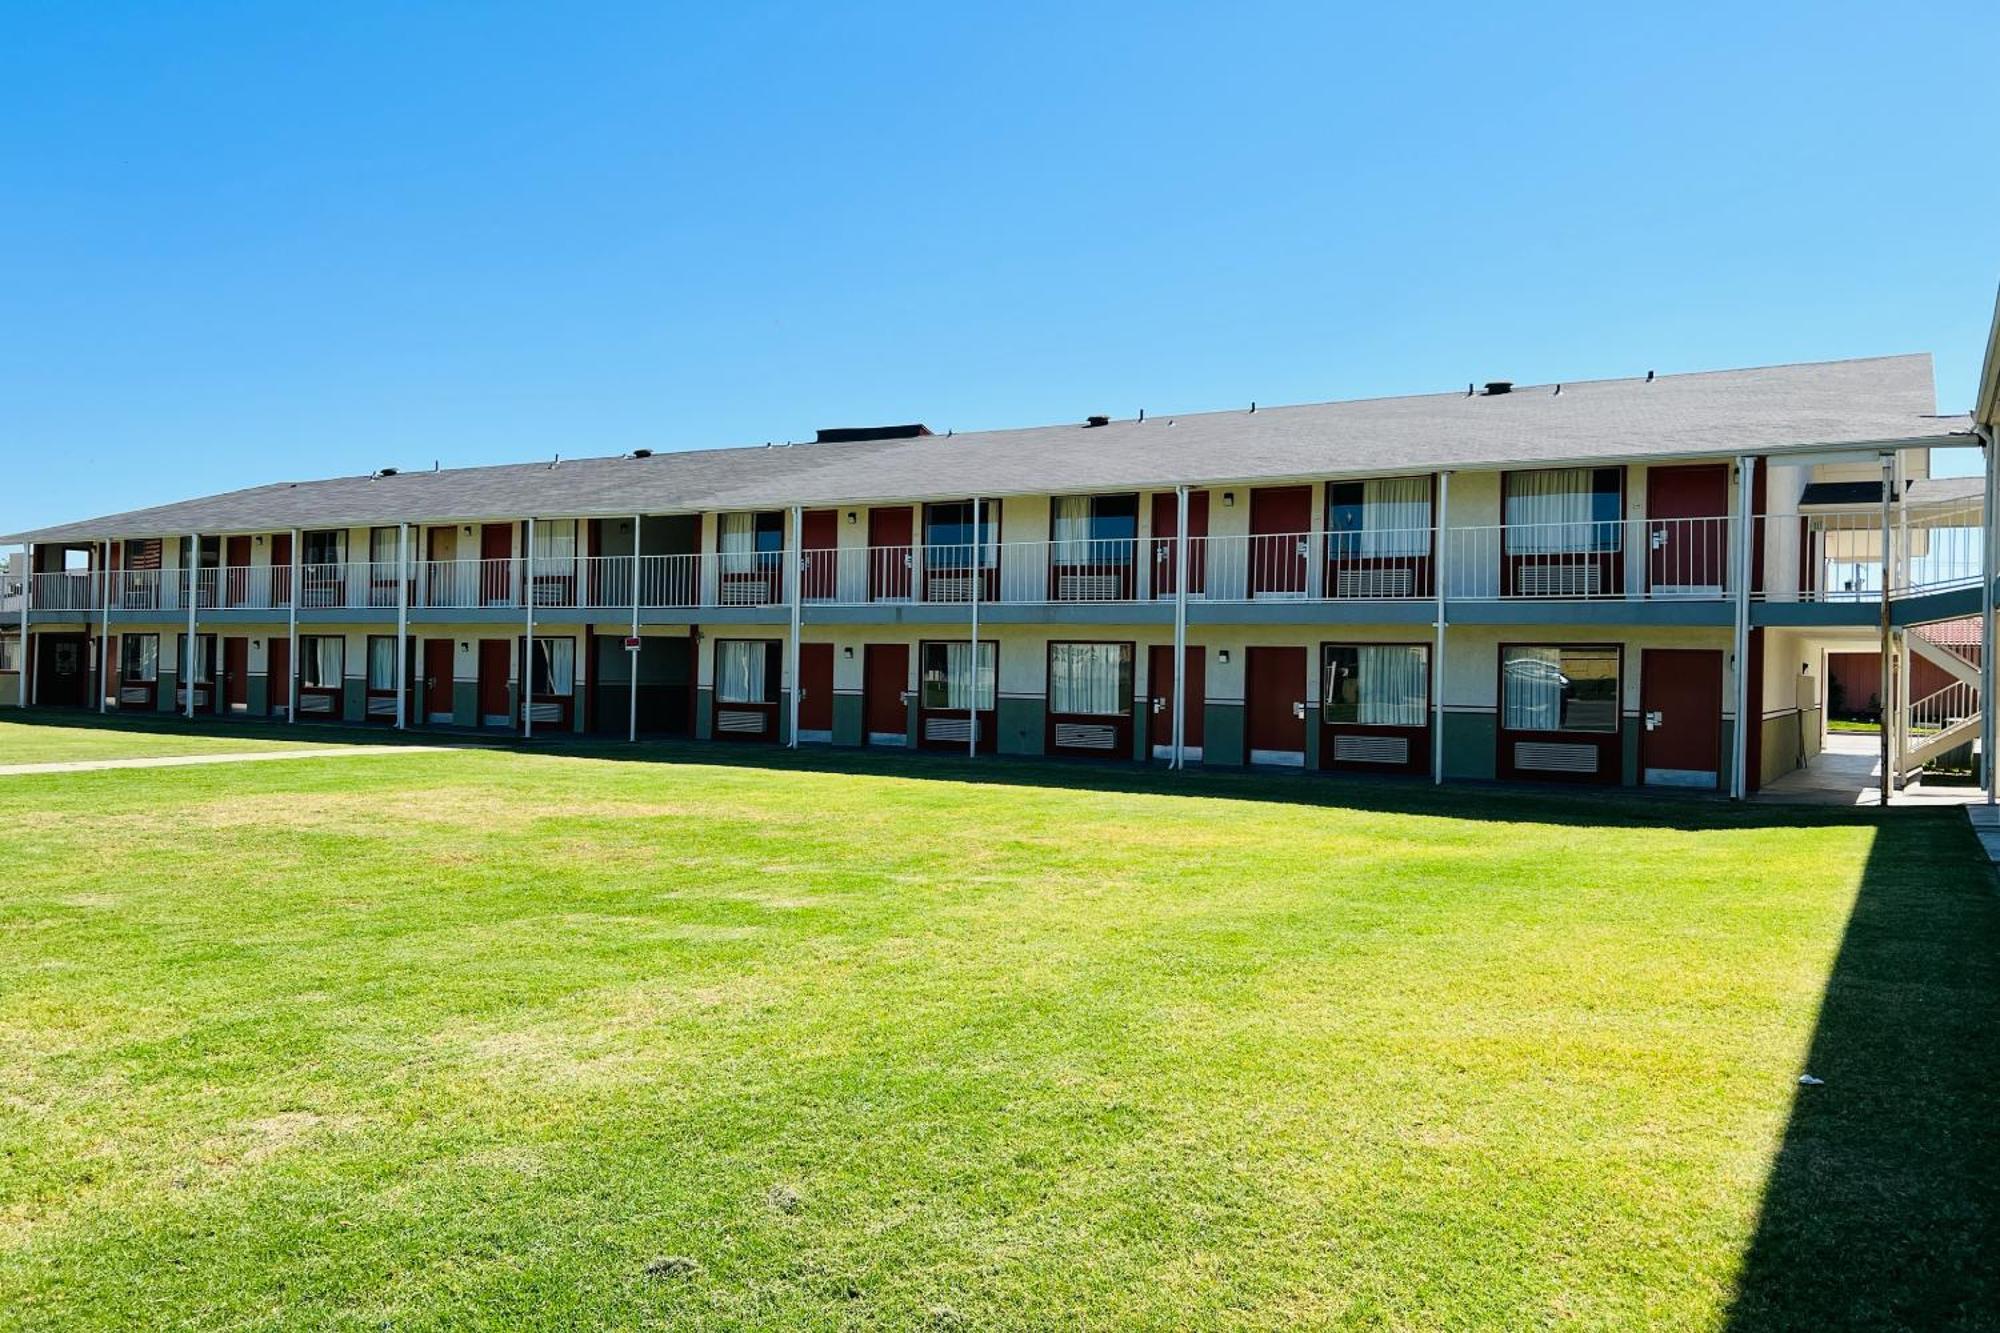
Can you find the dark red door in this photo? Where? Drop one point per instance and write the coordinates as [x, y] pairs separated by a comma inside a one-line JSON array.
[[1280, 537], [437, 680], [281, 570], [1166, 529], [885, 679], [890, 559], [1160, 688], [1687, 527], [496, 571], [278, 673], [816, 688], [819, 534], [236, 585], [1276, 700], [494, 707], [1680, 699], [236, 673]]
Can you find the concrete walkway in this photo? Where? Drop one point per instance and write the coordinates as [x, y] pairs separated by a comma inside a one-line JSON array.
[[185, 760], [1849, 772]]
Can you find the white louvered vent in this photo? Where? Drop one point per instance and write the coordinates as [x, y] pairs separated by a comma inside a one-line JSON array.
[[742, 592], [315, 703], [1086, 736], [1371, 749], [948, 588], [134, 694], [383, 707], [1375, 582], [947, 729], [1554, 757], [1559, 580], [739, 722], [1088, 587], [545, 712]]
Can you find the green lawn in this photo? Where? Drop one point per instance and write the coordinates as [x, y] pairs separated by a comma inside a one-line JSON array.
[[59, 738], [541, 1040]]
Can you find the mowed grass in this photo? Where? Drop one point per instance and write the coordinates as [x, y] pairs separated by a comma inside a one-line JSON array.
[[537, 1040], [63, 738]]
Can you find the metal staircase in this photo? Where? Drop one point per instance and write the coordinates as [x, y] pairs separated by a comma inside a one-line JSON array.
[[1946, 718]]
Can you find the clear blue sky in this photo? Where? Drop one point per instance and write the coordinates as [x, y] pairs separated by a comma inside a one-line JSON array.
[[243, 243]]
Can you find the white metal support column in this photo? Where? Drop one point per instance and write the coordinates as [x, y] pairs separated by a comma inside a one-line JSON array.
[[978, 579], [795, 573], [1437, 649], [634, 654], [402, 625], [191, 558], [1888, 644], [292, 632], [1988, 569], [27, 601], [1180, 625], [527, 672], [1739, 740], [104, 628]]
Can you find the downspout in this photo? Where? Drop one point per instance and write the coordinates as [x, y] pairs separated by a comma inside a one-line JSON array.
[[402, 625], [292, 633], [27, 600], [632, 702], [1888, 659], [1987, 573], [1739, 741], [192, 559], [978, 578], [795, 572], [104, 630], [1437, 650], [527, 685], [1180, 625]]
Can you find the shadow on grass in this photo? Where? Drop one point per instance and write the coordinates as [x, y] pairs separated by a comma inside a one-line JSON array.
[[1880, 1209], [1590, 807]]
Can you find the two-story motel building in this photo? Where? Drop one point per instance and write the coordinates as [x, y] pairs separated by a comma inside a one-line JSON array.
[[1584, 582]]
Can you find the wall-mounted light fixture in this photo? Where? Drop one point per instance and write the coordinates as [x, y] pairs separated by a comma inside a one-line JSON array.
[[1222, 656], [464, 646], [848, 652], [1229, 499], [257, 643], [260, 539], [851, 518], [468, 529]]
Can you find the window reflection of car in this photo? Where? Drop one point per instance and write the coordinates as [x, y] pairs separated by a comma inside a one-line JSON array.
[[1539, 691], [1533, 671]]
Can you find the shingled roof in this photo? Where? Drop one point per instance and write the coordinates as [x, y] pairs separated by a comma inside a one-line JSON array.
[[1715, 413]]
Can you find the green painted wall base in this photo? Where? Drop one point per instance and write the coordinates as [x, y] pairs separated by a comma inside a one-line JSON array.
[[1470, 741], [258, 694], [164, 691], [704, 713], [354, 700], [1781, 747], [1222, 735], [847, 718], [1629, 752], [465, 703], [10, 689], [1023, 726]]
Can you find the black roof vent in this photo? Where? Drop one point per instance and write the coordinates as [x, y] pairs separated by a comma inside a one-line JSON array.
[[386, 472], [1097, 421], [855, 434], [1499, 386], [642, 453]]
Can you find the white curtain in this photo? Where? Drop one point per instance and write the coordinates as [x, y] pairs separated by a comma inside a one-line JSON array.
[[1394, 684], [381, 663], [322, 660], [1531, 690], [1071, 529], [382, 546], [958, 682], [1089, 678], [1550, 512], [738, 537], [557, 660], [555, 541], [142, 657], [203, 674], [739, 672], [1396, 516]]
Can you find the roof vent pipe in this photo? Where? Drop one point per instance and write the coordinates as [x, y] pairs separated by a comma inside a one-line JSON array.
[[1097, 421], [642, 453], [1494, 387], [386, 472]]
